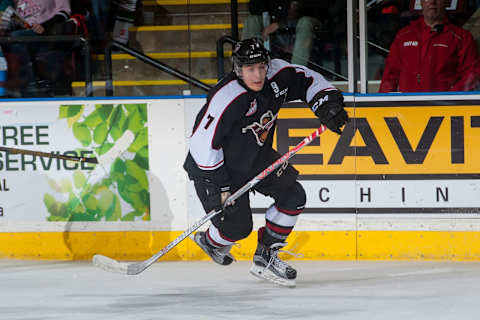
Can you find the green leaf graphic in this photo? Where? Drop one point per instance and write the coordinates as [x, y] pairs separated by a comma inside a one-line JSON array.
[[145, 196], [73, 202], [131, 215], [137, 172], [54, 185], [90, 202], [141, 140], [118, 126], [114, 116], [135, 122], [49, 201], [83, 217], [55, 208], [137, 201], [104, 110], [143, 112], [104, 148], [132, 183], [68, 111], [118, 170], [100, 133], [79, 179], [141, 158], [66, 185], [133, 107], [116, 212], [124, 187], [106, 200], [93, 119], [82, 133]]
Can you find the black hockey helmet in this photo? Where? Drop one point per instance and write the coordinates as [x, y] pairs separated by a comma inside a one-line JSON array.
[[249, 51]]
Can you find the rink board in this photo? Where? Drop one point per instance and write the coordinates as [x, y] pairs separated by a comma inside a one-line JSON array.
[[402, 182]]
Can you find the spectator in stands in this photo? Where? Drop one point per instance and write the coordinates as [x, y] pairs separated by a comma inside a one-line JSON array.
[[110, 19], [292, 28], [431, 54], [27, 61]]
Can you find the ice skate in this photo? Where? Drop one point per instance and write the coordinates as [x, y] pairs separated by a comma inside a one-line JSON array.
[[267, 265], [221, 256]]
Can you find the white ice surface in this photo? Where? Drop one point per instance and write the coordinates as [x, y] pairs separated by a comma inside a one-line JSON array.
[[203, 290]]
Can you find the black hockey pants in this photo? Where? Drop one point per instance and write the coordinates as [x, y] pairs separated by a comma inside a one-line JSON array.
[[281, 185]]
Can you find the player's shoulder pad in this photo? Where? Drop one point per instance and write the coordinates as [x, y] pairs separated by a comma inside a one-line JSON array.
[[225, 96], [277, 65]]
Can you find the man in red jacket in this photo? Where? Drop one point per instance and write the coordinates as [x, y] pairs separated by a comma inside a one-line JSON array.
[[431, 54]]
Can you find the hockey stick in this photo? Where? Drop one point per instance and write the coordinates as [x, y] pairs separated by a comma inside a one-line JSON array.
[[48, 155], [112, 265]]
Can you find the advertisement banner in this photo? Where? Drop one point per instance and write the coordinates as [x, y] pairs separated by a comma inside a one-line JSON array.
[[402, 181], [394, 157], [389, 140], [40, 189]]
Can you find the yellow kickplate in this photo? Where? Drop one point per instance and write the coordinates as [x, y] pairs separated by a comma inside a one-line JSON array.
[[140, 245], [421, 245], [313, 245]]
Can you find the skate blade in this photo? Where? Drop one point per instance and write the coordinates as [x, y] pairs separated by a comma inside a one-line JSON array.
[[265, 274], [206, 252]]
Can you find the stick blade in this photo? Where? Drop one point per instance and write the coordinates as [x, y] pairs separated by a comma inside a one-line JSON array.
[[136, 268], [109, 264]]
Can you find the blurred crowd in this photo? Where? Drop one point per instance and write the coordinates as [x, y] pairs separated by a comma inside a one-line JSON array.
[[414, 45], [35, 64]]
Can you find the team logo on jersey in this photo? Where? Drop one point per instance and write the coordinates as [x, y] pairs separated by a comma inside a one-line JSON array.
[[252, 109], [261, 129], [276, 89]]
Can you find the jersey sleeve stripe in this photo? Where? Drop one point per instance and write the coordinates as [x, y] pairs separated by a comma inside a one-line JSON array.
[[213, 167], [217, 238]]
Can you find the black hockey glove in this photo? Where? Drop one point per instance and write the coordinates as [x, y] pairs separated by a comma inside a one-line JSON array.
[[328, 106], [211, 195]]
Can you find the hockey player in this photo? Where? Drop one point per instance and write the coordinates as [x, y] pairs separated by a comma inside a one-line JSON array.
[[232, 142]]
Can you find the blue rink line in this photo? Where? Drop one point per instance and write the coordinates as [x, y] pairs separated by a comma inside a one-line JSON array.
[[409, 94], [104, 98], [456, 93]]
